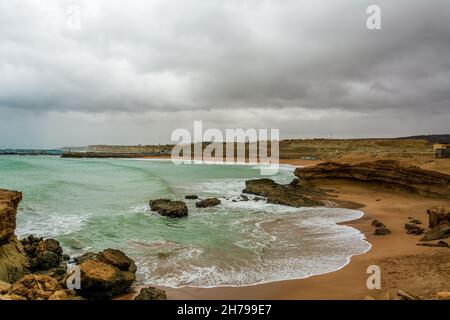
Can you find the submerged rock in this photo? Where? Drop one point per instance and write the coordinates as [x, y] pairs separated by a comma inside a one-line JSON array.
[[151, 293], [440, 244], [169, 208], [206, 203], [191, 197]]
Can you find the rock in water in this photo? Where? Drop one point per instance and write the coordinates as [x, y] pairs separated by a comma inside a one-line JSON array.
[[206, 203], [169, 208], [151, 293], [107, 274], [191, 197], [382, 231]]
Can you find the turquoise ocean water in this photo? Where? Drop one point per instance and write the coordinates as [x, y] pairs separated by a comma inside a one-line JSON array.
[[90, 205]]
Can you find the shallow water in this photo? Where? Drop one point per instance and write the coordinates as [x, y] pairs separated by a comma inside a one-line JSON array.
[[90, 205]]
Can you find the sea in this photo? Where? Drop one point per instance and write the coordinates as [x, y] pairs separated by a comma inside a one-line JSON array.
[[93, 204]]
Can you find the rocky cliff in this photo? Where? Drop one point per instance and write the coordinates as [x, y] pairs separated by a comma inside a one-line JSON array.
[[13, 261], [384, 173]]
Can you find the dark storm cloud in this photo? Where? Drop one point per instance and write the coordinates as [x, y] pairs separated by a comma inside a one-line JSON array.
[[169, 56]]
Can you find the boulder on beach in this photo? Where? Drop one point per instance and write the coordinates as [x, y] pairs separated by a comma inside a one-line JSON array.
[[439, 223], [151, 293], [382, 231], [169, 208], [106, 274], [413, 229], [376, 223], [45, 256], [206, 203]]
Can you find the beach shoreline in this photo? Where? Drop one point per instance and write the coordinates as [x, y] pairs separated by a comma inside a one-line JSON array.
[[350, 282]]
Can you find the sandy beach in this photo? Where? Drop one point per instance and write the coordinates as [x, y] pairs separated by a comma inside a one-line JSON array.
[[404, 265]]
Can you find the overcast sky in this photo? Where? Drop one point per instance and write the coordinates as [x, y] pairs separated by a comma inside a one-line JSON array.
[[136, 70]]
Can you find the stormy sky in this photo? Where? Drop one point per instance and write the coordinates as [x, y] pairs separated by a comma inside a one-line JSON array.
[[116, 72]]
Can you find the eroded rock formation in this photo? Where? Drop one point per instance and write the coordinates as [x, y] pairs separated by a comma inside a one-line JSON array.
[[383, 172], [290, 195], [106, 274]]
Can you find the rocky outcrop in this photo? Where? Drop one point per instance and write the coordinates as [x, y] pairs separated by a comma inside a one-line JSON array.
[[207, 203], [9, 201], [412, 228], [383, 172], [106, 274], [438, 217], [13, 260], [169, 208], [38, 287], [151, 293], [45, 257], [439, 223], [290, 195]]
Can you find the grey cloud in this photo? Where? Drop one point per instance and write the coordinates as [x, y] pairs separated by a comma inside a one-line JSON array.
[[169, 56]]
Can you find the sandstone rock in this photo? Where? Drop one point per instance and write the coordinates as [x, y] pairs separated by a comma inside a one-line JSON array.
[[441, 244], [65, 295], [443, 295], [151, 293], [85, 257], [438, 217], [376, 223], [191, 197], [383, 172], [173, 209], [382, 231], [13, 261], [413, 229], [9, 201], [12, 297], [4, 286], [206, 203], [118, 259], [288, 195], [441, 232], [100, 280], [34, 287], [106, 274]]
